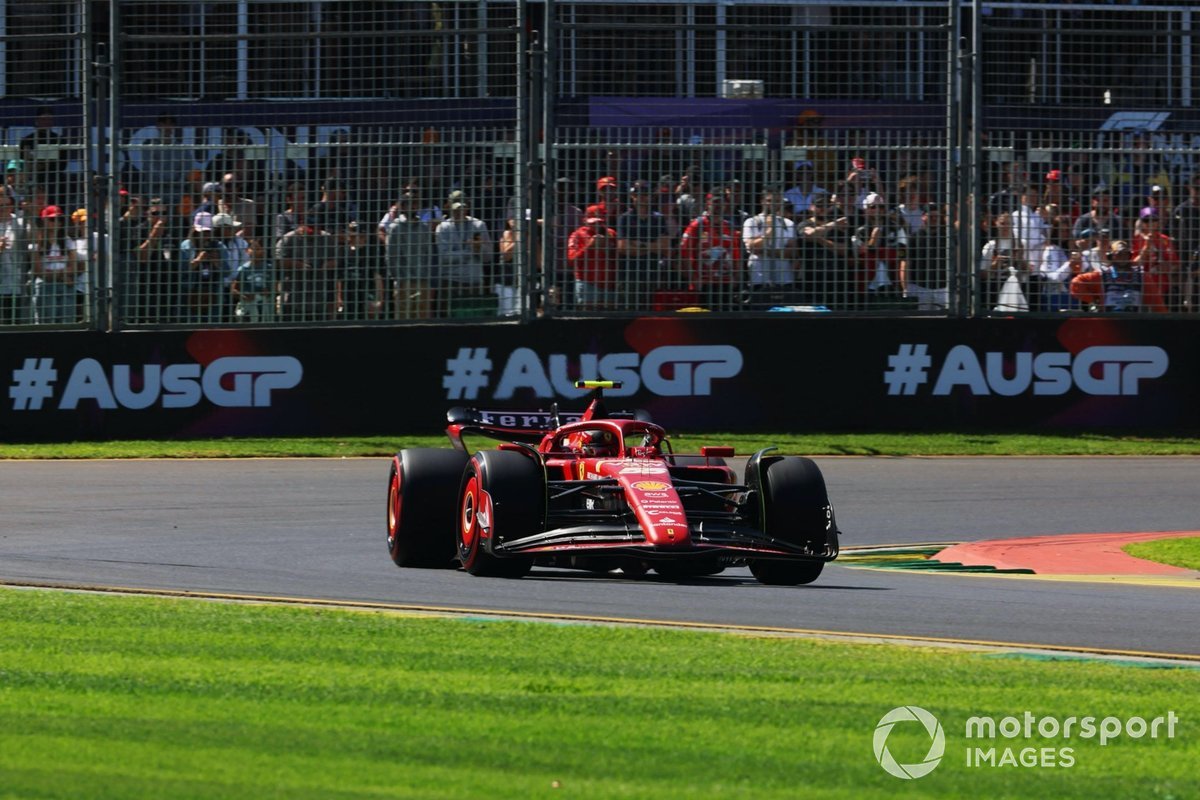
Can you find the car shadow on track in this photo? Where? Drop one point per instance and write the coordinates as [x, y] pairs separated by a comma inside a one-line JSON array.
[[550, 575]]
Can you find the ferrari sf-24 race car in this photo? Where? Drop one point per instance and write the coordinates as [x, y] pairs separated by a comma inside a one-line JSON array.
[[602, 491]]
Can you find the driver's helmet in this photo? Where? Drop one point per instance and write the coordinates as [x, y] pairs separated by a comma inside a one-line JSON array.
[[602, 444]]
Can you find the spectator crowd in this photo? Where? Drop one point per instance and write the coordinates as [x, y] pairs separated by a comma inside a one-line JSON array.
[[221, 247]]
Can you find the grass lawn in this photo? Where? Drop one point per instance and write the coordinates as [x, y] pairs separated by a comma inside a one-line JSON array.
[[818, 444], [121, 697], [1180, 552]]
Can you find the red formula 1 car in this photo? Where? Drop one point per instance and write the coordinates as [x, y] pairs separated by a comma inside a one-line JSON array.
[[599, 492]]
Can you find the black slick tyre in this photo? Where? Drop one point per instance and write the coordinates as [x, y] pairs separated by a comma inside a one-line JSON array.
[[796, 509], [502, 498], [422, 503]]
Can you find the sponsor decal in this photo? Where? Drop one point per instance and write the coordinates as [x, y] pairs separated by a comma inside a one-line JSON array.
[[1102, 370], [651, 486], [667, 371], [229, 382], [647, 469]]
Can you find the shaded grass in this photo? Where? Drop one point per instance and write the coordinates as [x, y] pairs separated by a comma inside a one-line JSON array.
[[112, 697], [820, 444], [1179, 552]]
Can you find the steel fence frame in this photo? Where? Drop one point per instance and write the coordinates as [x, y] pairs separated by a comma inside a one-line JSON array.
[[499, 82]]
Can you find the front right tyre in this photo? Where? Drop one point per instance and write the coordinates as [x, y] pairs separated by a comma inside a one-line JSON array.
[[502, 498]]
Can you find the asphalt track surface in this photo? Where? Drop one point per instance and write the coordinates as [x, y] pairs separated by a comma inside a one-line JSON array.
[[314, 528]]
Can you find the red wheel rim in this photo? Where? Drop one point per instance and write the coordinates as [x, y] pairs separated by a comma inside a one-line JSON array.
[[468, 530], [393, 519]]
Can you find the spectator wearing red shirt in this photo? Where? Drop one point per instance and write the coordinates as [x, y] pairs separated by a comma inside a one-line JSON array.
[[711, 255], [1154, 252], [608, 201], [592, 253], [1118, 286]]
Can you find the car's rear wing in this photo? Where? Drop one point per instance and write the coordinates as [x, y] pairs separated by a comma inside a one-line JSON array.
[[506, 425], [529, 427]]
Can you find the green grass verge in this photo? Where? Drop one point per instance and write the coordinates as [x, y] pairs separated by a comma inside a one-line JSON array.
[[818, 444], [125, 698], [1179, 552]]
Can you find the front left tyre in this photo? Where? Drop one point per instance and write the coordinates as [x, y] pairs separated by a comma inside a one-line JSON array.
[[422, 506], [796, 509]]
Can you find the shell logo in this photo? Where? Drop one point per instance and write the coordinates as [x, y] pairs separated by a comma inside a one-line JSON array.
[[651, 486]]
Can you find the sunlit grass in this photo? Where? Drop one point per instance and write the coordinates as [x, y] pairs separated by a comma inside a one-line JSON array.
[[117, 697]]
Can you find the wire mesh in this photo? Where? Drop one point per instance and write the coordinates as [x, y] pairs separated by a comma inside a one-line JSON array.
[[298, 162]]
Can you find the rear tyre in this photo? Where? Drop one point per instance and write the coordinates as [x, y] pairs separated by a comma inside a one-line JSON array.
[[502, 498], [796, 509], [422, 494]]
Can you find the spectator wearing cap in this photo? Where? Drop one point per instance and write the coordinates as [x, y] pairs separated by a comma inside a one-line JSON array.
[[234, 251], [14, 180], [210, 199], [861, 180], [770, 240], [804, 185], [14, 252], [53, 266], [78, 231], [710, 253], [1056, 192], [1119, 286], [1101, 215], [1094, 245], [1158, 199], [881, 243], [199, 272], [592, 254], [643, 246], [465, 250], [1154, 253], [1185, 228], [411, 203], [608, 201]]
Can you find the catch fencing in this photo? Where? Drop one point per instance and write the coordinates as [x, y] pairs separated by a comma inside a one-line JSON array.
[[184, 164]]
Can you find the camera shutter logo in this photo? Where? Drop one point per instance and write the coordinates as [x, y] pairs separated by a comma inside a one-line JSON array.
[[936, 748]]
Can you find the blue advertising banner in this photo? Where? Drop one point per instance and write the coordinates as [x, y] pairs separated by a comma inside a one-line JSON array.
[[691, 372]]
